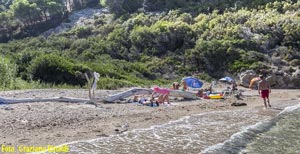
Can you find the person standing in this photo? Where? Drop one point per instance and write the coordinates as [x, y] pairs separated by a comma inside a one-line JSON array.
[[176, 85], [264, 89]]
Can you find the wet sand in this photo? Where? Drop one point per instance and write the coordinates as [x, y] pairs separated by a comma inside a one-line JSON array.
[[55, 123]]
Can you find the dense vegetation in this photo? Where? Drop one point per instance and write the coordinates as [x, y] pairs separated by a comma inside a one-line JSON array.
[[22, 18], [136, 46]]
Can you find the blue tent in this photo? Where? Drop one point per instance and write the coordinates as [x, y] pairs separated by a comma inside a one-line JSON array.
[[193, 82], [226, 79]]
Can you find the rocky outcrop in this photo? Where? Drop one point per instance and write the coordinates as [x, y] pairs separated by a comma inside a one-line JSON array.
[[246, 76], [76, 19], [277, 78]]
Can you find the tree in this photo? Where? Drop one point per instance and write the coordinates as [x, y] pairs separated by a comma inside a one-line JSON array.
[[159, 5], [25, 11], [120, 7]]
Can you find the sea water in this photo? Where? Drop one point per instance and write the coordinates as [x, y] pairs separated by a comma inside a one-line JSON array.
[[283, 138], [238, 131], [280, 135]]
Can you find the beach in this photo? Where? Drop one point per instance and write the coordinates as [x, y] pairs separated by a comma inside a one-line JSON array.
[[56, 123]]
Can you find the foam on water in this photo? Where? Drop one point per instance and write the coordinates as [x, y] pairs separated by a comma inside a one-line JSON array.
[[190, 134], [284, 137], [290, 109], [239, 141]]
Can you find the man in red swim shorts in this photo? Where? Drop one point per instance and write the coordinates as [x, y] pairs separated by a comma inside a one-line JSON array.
[[264, 90]]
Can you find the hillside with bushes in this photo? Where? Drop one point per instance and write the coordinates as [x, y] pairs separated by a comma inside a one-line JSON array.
[[147, 42]]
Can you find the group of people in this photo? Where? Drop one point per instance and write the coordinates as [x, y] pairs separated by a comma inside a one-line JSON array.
[[177, 86], [161, 95]]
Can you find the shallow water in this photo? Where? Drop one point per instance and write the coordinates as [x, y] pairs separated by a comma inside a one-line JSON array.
[[281, 135], [188, 135], [223, 132], [284, 137]]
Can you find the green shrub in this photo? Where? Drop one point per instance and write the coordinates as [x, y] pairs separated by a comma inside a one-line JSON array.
[[23, 60], [80, 45], [83, 32], [111, 83], [205, 77], [55, 69], [239, 65], [7, 73], [59, 43]]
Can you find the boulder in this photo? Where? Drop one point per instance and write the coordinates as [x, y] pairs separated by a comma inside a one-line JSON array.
[[288, 69], [278, 61], [279, 73], [246, 76], [296, 79], [295, 62], [296, 74], [279, 82], [284, 77], [272, 79]]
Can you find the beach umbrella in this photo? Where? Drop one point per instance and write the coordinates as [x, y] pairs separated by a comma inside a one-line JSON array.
[[253, 81], [226, 79], [193, 82]]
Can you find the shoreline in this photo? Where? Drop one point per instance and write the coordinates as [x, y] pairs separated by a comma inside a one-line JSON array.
[[52, 123]]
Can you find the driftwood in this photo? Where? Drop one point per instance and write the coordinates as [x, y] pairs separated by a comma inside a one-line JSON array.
[[108, 99], [30, 100], [138, 91], [131, 92], [184, 94], [92, 80]]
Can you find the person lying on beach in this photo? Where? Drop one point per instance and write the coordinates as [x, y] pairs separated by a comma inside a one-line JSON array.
[[144, 101]]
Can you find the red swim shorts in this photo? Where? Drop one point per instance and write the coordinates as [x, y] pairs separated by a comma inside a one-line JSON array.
[[265, 94]]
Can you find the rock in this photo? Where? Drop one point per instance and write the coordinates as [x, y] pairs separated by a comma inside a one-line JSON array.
[[76, 19], [295, 62], [283, 77], [296, 74], [287, 69], [24, 140], [8, 108], [279, 82], [246, 76], [278, 61], [102, 135], [272, 79], [296, 79], [279, 72]]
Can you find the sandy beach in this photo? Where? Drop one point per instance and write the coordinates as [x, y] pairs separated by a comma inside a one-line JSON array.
[[55, 123]]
